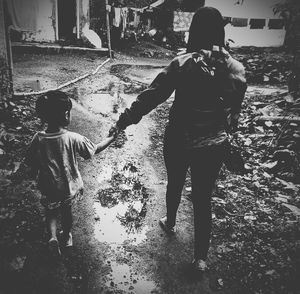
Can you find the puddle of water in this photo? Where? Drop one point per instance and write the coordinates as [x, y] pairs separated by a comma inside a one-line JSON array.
[[105, 174], [124, 279], [109, 227], [99, 103], [120, 206], [136, 77], [77, 93], [34, 84]]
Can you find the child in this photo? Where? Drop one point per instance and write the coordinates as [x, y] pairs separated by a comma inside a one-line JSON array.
[[52, 156]]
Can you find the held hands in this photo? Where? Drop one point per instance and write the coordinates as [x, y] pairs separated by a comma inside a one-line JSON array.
[[112, 135], [114, 131]]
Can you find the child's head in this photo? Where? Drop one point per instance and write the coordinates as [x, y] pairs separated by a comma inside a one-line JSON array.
[[54, 108]]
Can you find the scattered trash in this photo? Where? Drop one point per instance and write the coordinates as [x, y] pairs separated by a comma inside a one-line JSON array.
[[269, 165], [220, 283], [90, 37], [250, 217], [268, 124]]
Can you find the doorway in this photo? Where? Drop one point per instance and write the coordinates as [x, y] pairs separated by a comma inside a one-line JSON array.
[[66, 19]]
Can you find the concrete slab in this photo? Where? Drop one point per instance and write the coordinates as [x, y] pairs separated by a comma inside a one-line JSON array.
[[55, 48]]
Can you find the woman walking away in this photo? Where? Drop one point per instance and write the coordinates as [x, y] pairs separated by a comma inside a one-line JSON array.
[[209, 88]]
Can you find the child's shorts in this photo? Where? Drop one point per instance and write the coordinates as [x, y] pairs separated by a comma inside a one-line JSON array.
[[49, 204]]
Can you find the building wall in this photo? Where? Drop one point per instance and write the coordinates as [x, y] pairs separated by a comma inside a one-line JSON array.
[[258, 37], [34, 18], [45, 21], [98, 17], [250, 9], [84, 12], [44, 18]]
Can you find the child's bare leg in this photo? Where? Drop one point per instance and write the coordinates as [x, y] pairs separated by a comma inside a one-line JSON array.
[[66, 220], [51, 218]]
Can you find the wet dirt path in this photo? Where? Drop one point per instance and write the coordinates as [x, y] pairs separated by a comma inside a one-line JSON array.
[[116, 226], [126, 189], [118, 245]]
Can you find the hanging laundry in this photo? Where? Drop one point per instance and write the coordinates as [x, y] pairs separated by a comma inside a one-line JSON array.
[[117, 17], [182, 21], [24, 14], [136, 19], [124, 14], [257, 23]]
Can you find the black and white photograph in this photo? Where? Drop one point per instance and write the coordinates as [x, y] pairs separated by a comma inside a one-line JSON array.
[[149, 147]]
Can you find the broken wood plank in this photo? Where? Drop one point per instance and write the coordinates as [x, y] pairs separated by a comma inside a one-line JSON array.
[[22, 94]]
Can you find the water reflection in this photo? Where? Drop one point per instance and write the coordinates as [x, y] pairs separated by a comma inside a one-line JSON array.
[[109, 228], [130, 282]]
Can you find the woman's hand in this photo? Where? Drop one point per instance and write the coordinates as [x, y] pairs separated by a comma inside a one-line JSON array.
[[114, 131]]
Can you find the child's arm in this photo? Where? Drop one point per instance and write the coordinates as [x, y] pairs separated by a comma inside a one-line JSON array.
[[105, 143], [86, 148]]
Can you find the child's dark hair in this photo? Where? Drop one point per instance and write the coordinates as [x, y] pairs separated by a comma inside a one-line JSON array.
[[51, 107]]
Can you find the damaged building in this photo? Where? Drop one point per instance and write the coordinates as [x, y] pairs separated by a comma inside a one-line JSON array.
[[48, 20], [65, 20], [249, 23]]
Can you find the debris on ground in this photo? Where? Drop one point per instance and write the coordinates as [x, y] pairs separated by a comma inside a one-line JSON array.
[[255, 243], [265, 66], [255, 238]]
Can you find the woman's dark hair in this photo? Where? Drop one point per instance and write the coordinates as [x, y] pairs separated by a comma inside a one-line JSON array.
[[51, 107], [206, 30]]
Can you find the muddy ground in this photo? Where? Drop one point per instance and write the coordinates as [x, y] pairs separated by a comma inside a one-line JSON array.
[[118, 245]]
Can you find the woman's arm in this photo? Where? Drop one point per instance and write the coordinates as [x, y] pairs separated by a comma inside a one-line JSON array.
[[235, 92], [159, 91], [236, 107]]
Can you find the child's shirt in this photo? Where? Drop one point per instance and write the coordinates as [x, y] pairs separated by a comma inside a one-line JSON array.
[[53, 156]]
